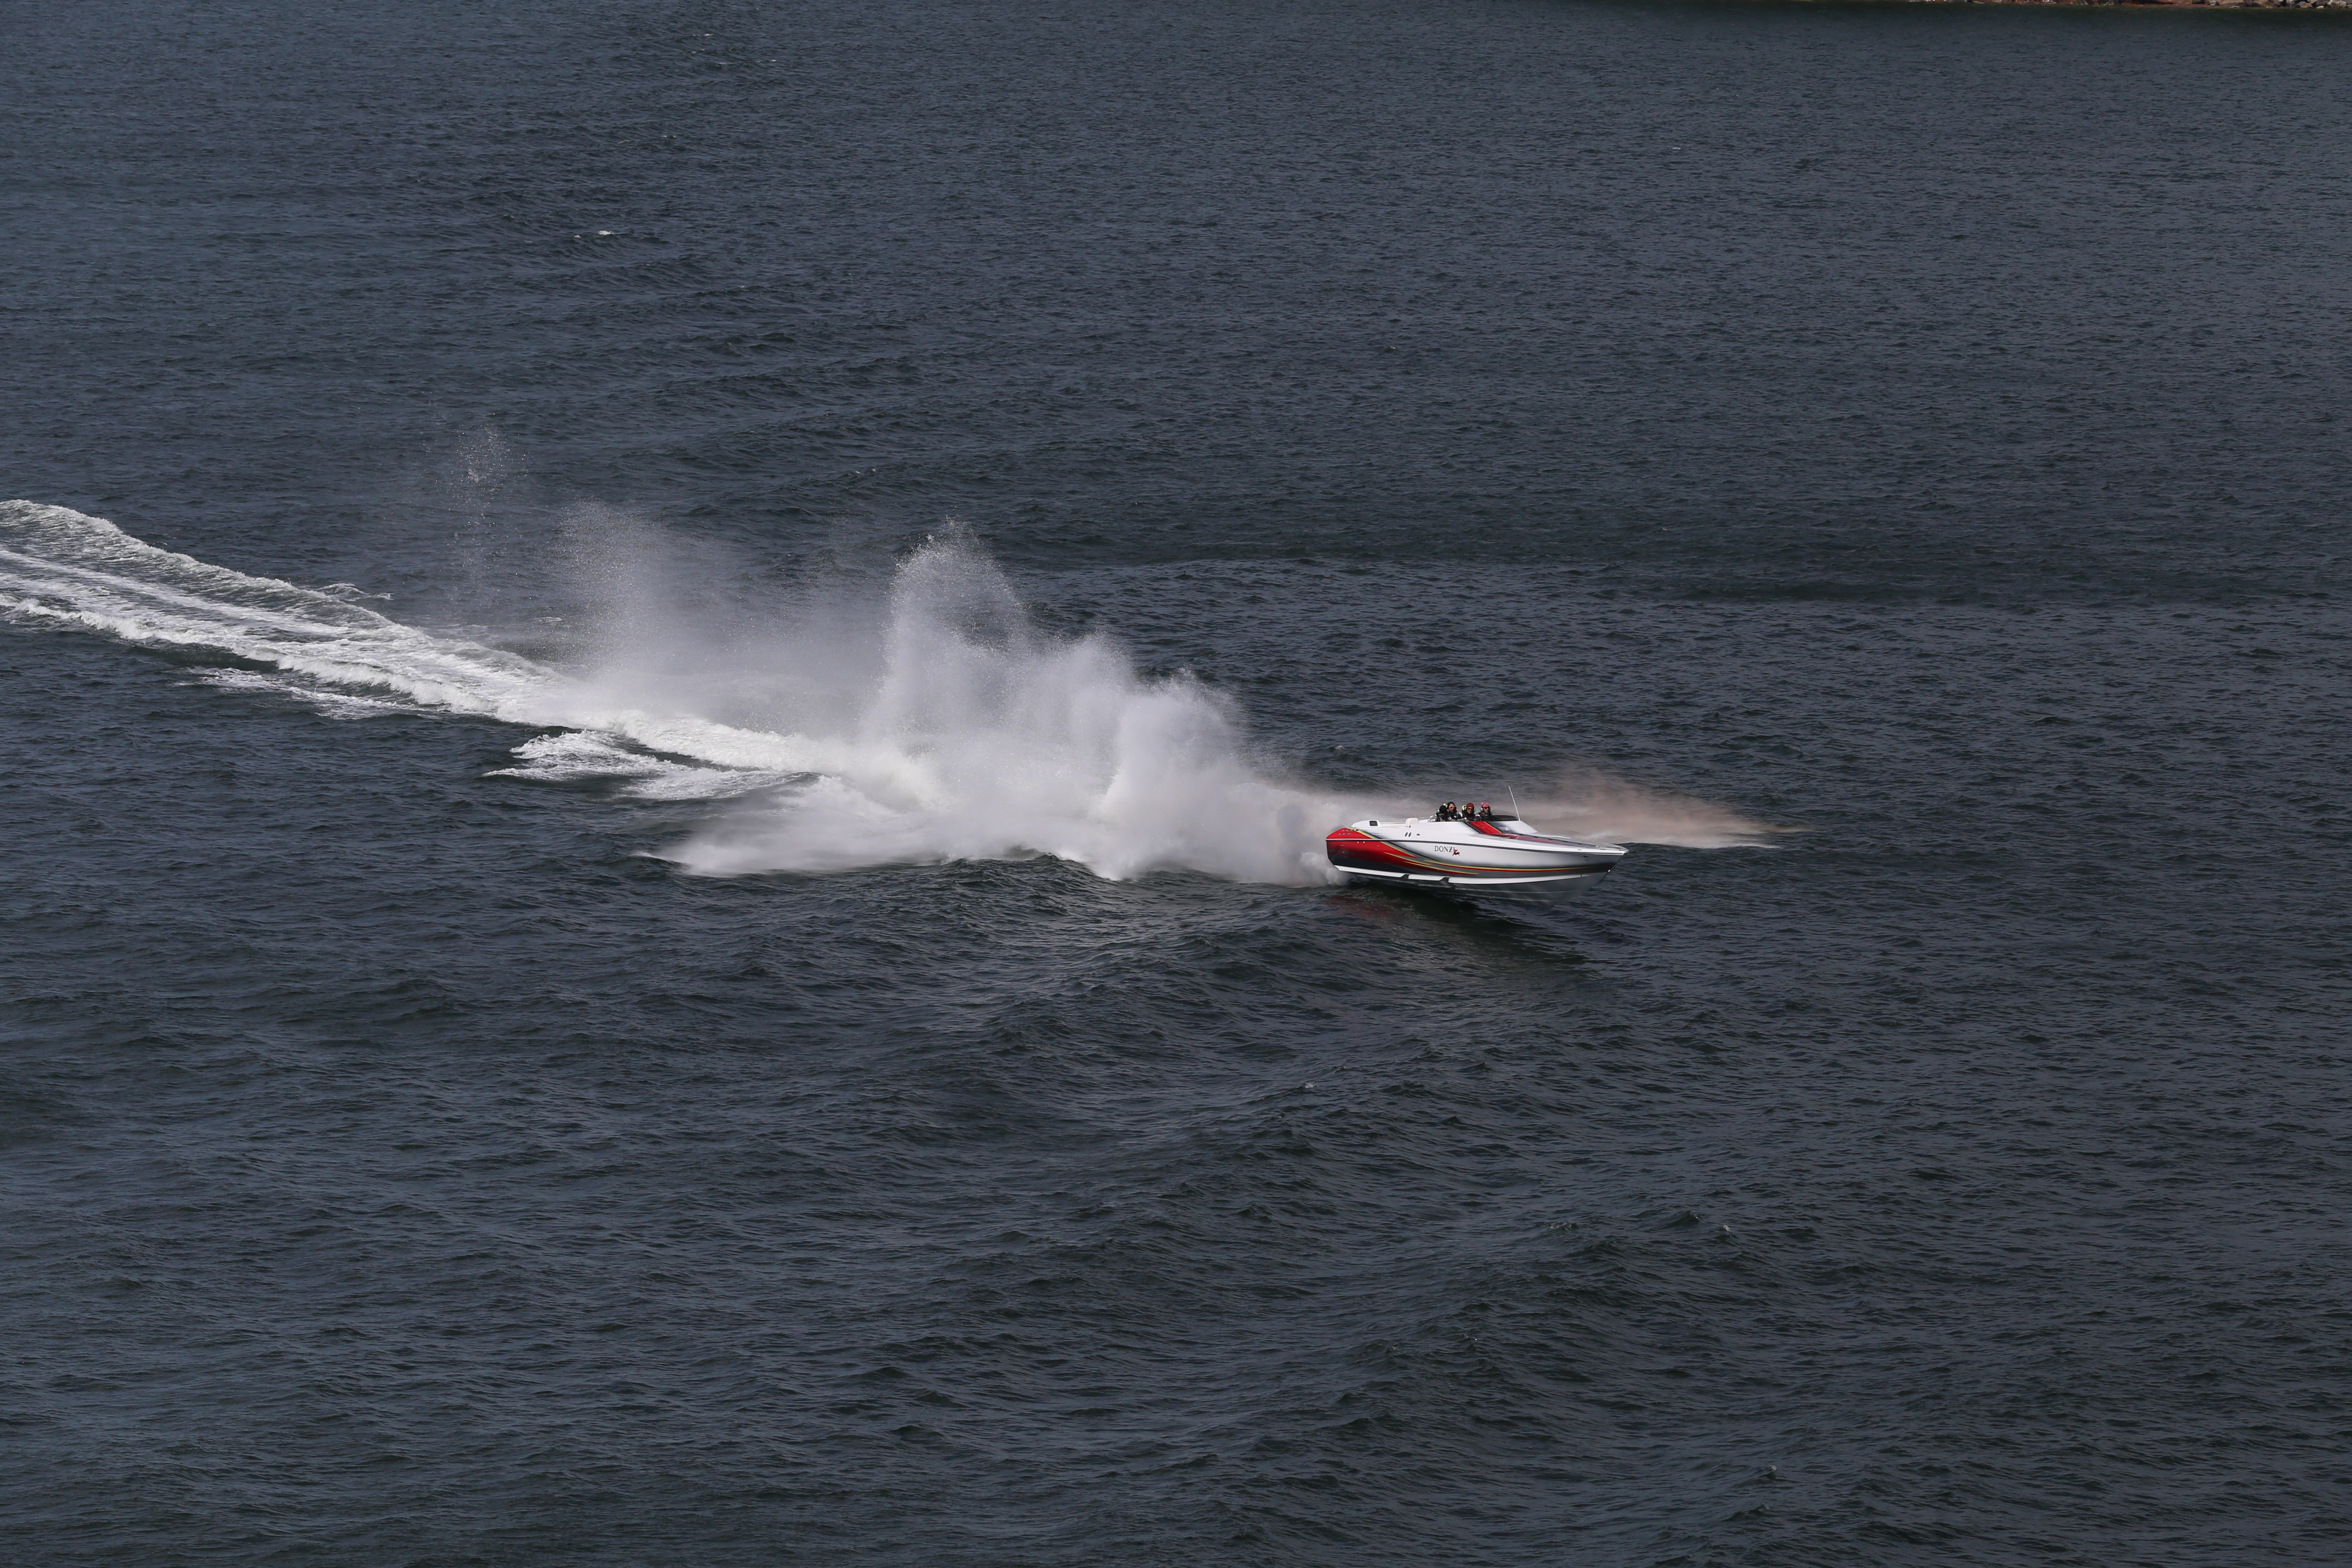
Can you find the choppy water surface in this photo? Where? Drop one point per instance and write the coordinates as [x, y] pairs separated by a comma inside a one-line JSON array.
[[672, 672]]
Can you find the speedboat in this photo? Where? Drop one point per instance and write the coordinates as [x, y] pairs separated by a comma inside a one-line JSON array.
[[1503, 855]]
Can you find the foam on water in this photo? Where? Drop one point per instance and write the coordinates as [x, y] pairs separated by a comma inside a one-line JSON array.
[[586, 756], [61, 568], [936, 724], [324, 702]]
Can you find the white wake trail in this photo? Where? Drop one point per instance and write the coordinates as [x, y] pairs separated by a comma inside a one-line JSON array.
[[960, 732], [62, 568]]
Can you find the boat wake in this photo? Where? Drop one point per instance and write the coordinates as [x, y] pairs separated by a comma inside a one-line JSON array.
[[945, 728], [936, 724]]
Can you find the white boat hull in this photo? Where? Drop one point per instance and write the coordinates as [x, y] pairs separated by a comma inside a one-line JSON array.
[[1500, 857]]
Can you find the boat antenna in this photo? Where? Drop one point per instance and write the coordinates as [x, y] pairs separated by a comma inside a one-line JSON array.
[[1515, 804]]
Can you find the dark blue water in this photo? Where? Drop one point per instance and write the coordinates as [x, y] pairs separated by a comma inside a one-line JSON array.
[[704, 1030]]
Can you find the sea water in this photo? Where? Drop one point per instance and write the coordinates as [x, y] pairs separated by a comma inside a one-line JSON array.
[[673, 672]]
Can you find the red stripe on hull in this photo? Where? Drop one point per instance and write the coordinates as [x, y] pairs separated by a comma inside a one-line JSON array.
[[1347, 847]]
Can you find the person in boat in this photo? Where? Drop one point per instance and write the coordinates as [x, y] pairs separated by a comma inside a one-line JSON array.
[[1486, 811], [1446, 813]]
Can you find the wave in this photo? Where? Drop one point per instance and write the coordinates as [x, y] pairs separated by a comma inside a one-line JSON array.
[[936, 724]]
